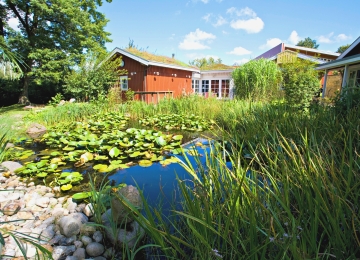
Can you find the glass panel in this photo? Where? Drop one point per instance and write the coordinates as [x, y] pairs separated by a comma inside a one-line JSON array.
[[225, 88], [205, 86], [215, 88]]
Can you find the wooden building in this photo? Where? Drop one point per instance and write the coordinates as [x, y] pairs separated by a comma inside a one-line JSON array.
[[153, 77]]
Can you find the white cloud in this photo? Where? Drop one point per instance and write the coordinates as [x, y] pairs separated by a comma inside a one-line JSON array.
[[253, 25], [172, 36], [239, 51], [330, 38], [342, 37], [219, 1], [193, 40], [249, 22], [242, 61], [13, 23], [224, 32], [205, 1], [242, 12], [206, 17], [294, 38], [325, 38], [220, 21], [270, 43]]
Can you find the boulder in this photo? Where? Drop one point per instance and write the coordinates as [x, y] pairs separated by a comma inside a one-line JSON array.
[[11, 208], [36, 130], [60, 252], [120, 213], [11, 166], [70, 225]]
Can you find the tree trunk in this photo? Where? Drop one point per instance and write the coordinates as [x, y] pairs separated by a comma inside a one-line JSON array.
[[24, 96]]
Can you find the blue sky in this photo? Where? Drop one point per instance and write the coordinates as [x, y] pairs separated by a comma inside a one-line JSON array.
[[234, 31]]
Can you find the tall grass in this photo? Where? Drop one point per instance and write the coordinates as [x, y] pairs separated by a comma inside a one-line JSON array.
[[295, 197]]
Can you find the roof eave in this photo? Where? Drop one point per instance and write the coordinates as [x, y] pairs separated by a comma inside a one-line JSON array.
[[339, 63], [160, 64]]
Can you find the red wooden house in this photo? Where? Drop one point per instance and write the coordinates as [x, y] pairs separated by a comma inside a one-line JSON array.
[[152, 76]]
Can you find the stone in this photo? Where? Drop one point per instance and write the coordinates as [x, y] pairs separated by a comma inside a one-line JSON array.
[[36, 130], [99, 258], [94, 249], [43, 202], [56, 239], [60, 252], [49, 221], [78, 244], [109, 253], [126, 238], [86, 240], [72, 257], [11, 166], [72, 100], [80, 253], [11, 208], [48, 233], [69, 226], [70, 240], [120, 213], [98, 237], [88, 229], [58, 213], [89, 210], [12, 183], [24, 215]]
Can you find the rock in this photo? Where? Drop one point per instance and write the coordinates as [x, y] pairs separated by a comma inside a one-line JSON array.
[[78, 244], [99, 258], [62, 102], [98, 237], [88, 229], [58, 213], [12, 183], [80, 253], [69, 226], [124, 237], [49, 221], [11, 208], [24, 215], [36, 130], [11, 166], [43, 202], [120, 214], [89, 210], [56, 239], [48, 233], [80, 208], [95, 249], [86, 240], [71, 258], [71, 206], [72, 100], [70, 240], [109, 253], [60, 252]]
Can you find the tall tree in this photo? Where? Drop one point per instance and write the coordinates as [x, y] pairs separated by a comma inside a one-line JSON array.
[[308, 42], [53, 36], [343, 48]]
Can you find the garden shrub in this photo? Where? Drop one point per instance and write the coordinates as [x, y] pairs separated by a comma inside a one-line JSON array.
[[347, 100], [257, 80], [300, 83]]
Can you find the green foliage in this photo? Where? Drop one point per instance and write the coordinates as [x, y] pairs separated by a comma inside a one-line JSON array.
[[53, 36], [56, 99], [343, 48], [300, 83], [3, 143], [93, 78], [209, 64], [130, 95], [308, 43], [347, 100], [257, 80]]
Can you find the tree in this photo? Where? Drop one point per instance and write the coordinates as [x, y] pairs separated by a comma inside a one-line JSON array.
[[343, 48], [308, 43], [53, 36], [203, 62]]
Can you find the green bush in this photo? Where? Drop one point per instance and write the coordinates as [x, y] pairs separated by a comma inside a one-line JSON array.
[[257, 80], [347, 99], [300, 83]]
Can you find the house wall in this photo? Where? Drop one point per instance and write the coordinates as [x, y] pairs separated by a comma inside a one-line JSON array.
[[168, 79], [216, 82]]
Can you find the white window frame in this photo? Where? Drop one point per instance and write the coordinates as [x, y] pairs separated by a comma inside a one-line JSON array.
[[124, 83], [196, 85], [205, 86]]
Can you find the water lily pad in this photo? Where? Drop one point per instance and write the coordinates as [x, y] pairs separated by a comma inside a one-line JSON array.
[[42, 174], [66, 187], [81, 195], [145, 163], [177, 137], [114, 152]]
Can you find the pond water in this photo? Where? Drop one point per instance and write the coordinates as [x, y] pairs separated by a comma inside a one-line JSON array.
[[159, 183]]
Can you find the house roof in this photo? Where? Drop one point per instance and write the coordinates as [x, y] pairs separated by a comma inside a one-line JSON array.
[[340, 62], [335, 54], [149, 59], [217, 67], [355, 44], [302, 56]]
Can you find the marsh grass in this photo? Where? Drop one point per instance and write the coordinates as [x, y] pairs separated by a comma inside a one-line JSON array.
[[295, 197]]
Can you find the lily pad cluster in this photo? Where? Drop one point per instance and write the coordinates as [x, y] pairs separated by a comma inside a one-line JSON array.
[[190, 123]]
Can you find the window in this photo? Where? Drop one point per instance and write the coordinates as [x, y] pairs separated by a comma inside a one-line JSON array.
[[124, 83], [215, 88], [195, 85], [225, 88], [204, 86]]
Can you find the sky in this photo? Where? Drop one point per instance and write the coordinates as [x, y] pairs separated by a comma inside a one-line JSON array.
[[235, 31]]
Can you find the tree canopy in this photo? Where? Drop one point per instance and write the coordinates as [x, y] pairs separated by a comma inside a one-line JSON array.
[[53, 36], [343, 48], [308, 43]]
